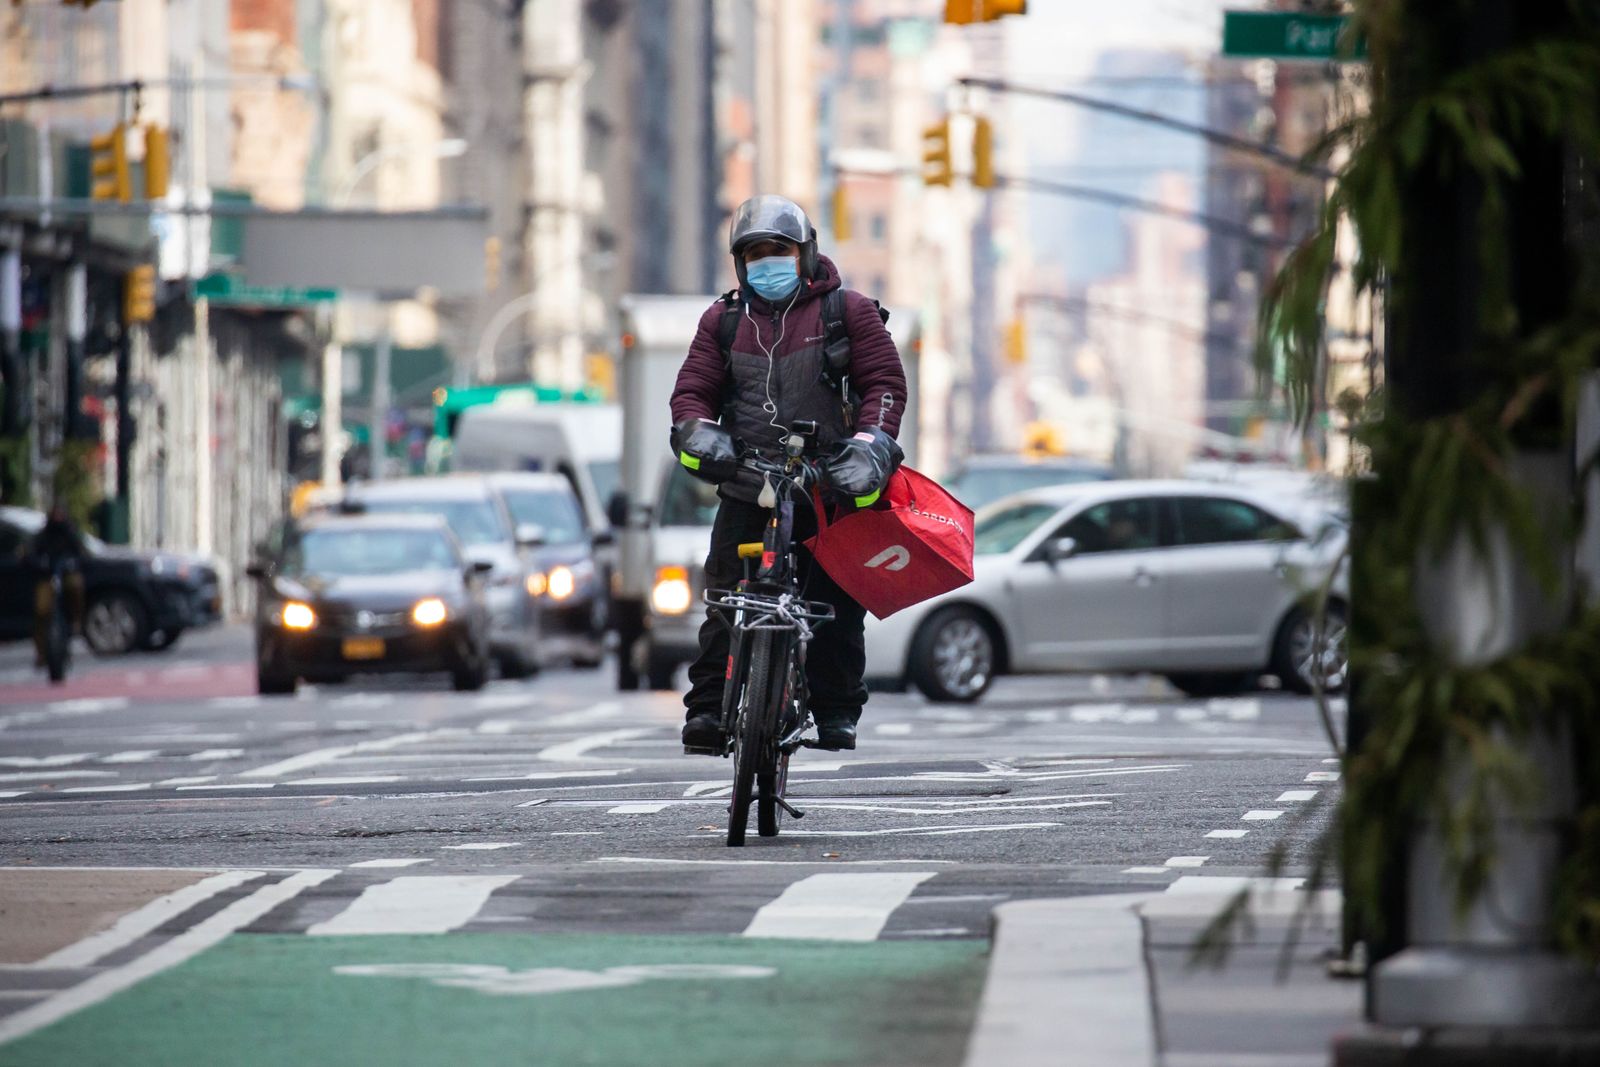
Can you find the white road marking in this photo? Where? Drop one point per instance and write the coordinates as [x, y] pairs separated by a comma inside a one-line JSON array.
[[1040, 716], [534, 803], [943, 931], [1335, 760], [583, 716], [235, 702], [984, 808], [1135, 716], [1147, 870], [1295, 796], [186, 945], [45, 761], [1323, 776], [485, 846], [1097, 712], [541, 776], [215, 754], [1189, 713], [1200, 883], [923, 831], [1187, 861], [1260, 816], [88, 705], [707, 789], [1227, 833], [385, 863], [131, 787], [576, 751], [801, 765], [764, 863], [497, 701], [231, 785], [9, 793], [136, 924], [368, 779], [192, 780], [636, 809], [136, 755], [47, 775], [1099, 683], [836, 907], [497, 726], [892, 729], [414, 905], [363, 700], [307, 760], [577, 833], [1237, 709], [965, 898]]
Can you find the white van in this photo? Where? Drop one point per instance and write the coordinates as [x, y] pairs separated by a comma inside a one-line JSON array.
[[582, 442]]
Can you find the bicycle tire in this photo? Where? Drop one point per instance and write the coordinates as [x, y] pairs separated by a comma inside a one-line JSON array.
[[773, 780], [754, 730], [58, 643]]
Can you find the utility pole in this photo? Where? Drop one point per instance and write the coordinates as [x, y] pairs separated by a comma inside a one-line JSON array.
[[77, 301]]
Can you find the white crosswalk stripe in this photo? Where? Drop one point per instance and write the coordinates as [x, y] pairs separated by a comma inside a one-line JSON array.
[[836, 907], [414, 905]]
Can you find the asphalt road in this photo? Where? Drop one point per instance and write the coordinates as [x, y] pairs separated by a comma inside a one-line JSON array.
[[553, 829]]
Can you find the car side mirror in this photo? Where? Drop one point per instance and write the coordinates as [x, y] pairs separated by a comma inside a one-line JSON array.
[[530, 535], [617, 509], [479, 567], [602, 538], [1061, 548], [256, 570]]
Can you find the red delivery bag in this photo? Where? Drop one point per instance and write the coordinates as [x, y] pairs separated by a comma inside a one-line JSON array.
[[913, 544]]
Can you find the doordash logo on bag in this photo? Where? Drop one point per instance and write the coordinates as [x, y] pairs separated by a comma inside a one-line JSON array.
[[893, 558], [936, 518]]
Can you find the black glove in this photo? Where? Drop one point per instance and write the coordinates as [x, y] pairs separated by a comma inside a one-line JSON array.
[[859, 466], [706, 449]]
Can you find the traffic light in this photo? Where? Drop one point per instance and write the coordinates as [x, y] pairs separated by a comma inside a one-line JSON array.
[[936, 153], [139, 294], [841, 212], [491, 263], [108, 166], [963, 12], [157, 162], [1016, 342], [983, 153], [1041, 439]]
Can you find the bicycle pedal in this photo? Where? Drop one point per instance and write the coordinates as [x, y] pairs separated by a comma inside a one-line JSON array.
[[689, 750]]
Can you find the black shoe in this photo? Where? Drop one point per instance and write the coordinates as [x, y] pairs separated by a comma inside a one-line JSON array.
[[836, 736], [702, 734]]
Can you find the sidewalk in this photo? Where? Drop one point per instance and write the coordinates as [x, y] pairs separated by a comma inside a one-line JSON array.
[[1110, 981]]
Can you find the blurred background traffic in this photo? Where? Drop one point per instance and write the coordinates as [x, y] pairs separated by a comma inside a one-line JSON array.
[[270, 266]]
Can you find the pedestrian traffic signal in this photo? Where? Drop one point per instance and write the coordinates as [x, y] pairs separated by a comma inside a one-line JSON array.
[[139, 294], [963, 12], [936, 154], [983, 153], [108, 166], [157, 162]]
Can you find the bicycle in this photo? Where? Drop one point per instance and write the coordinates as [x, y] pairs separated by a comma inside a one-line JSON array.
[[58, 632], [765, 704]]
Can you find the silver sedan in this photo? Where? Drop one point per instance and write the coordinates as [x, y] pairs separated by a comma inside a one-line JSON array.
[[1210, 585]]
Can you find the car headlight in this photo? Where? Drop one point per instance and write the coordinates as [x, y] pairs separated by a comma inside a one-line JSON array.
[[429, 612], [671, 594], [562, 583], [298, 616], [536, 583]]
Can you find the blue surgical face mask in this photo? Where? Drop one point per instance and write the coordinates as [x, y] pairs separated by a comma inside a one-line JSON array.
[[774, 277]]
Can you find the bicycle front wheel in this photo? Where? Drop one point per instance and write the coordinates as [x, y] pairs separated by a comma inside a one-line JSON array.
[[773, 779], [754, 732]]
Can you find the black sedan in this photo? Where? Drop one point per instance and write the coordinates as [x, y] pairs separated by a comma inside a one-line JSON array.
[[133, 599], [357, 595]]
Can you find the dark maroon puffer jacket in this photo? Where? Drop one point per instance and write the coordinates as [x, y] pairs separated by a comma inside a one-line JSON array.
[[791, 377]]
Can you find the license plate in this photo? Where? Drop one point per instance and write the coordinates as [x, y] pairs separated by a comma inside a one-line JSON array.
[[363, 648]]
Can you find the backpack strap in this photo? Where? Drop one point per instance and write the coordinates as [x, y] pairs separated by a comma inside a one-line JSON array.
[[836, 336], [728, 326]]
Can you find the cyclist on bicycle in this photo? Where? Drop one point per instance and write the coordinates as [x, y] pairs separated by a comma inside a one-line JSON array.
[[750, 385], [57, 545]]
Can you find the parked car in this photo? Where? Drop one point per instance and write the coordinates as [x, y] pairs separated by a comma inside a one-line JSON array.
[[544, 507], [133, 599], [982, 480], [478, 517], [357, 595], [1204, 583]]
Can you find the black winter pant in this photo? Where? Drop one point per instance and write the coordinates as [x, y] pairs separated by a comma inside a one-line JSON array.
[[837, 655]]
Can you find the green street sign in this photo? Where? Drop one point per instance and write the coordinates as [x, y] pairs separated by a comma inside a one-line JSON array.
[[228, 290], [1286, 35]]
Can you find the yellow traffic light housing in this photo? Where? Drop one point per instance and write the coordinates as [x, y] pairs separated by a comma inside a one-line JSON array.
[[1016, 342], [108, 166], [964, 12], [491, 263], [139, 294], [936, 168], [983, 153], [157, 162], [841, 212]]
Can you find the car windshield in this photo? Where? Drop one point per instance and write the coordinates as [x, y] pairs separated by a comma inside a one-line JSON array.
[[552, 510], [687, 501], [351, 553], [977, 486], [475, 522], [998, 532]]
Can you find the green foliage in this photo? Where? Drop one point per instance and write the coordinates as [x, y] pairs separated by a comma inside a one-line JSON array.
[[16, 470], [76, 482], [1434, 479]]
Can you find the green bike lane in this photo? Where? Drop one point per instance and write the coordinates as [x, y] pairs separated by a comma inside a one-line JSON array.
[[545, 998]]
